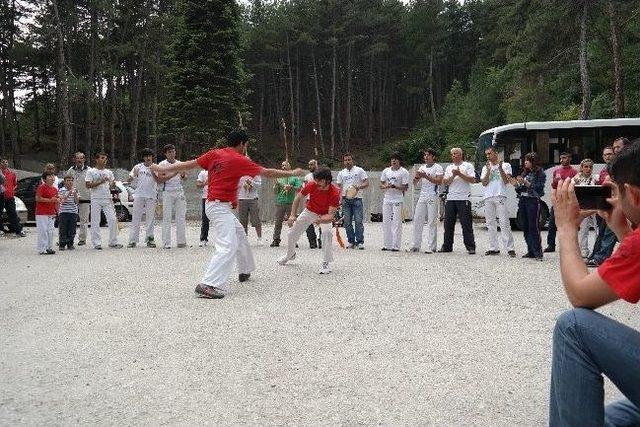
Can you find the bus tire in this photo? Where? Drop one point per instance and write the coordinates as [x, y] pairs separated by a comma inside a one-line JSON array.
[[518, 222]]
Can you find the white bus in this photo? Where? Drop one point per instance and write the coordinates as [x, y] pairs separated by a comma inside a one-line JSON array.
[[582, 138]]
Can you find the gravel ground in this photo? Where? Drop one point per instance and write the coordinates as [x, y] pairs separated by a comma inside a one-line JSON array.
[[117, 337]]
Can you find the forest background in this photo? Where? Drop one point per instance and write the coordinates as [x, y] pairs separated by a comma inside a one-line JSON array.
[[307, 78]]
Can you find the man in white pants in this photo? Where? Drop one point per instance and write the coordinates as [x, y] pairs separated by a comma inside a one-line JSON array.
[[173, 200], [429, 176], [495, 176], [79, 172], [394, 182], [144, 200], [226, 166], [99, 180], [323, 203]]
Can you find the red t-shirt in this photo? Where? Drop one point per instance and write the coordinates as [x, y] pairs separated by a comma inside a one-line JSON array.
[[226, 166], [10, 183], [621, 271], [320, 200], [46, 208], [562, 172]]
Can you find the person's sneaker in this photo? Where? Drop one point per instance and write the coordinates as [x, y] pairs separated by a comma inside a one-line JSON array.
[[285, 259], [211, 292], [444, 251], [413, 250], [202, 243], [395, 250], [166, 247], [151, 244], [472, 252], [528, 255], [81, 243], [260, 241], [98, 247], [384, 249], [71, 248], [538, 258], [243, 277], [428, 251], [324, 268], [313, 245], [21, 234], [492, 252], [116, 246], [50, 252], [131, 245], [351, 246], [361, 246], [512, 254], [62, 248], [549, 249], [182, 245], [275, 244]]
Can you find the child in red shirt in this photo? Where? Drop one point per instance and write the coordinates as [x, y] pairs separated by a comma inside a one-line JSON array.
[[46, 210], [324, 200]]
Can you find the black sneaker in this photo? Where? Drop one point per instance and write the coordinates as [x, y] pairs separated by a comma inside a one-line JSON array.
[[444, 251], [243, 277], [528, 255], [472, 252], [275, 244], [50, 252], [71, 247], [62, 248], [206, 291], [492, 252], [549, 249], [81, 243], [512, 254]]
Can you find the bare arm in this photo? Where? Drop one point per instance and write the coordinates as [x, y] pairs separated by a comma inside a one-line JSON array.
[[175, 167], [200, 184], [280, 173], [364, 184], [506, 178], [295, 204], [484, 177], [328, 217]]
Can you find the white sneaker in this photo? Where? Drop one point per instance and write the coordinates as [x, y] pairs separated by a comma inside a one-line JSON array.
[[361, 246], [284, 259], [324, 268], [203, 243], [259, 241]]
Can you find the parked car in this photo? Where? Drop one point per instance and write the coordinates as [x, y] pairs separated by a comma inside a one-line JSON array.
[[122, 199], [21, 210]]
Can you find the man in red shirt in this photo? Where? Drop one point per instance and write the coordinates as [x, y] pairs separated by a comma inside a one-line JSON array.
[[587, 344], [324, 200], [562, 172], [46, 210], [226, 166], [7, 199]]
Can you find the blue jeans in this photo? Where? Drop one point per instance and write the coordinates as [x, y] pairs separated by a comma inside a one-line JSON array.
[[530, 208], [586, 345], [352, 211], [606, 241]]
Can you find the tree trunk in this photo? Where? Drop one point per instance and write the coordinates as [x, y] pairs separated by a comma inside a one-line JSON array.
[[585, 109], [292, 113], [36, 106], [62, 95], [618, 100], [432, 102], [298, 102], [90, 95], [111, 95], [347, 138], [8, 87], [370, 115], [333, 101], [135, 116], [261, 112], [101, 105], [318, 105]]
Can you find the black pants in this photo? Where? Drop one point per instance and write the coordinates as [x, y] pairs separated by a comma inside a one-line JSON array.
[[552, 231], [311, 236], [10, 206], [462, 210], [530, 208], [204, 228], [67, 228]]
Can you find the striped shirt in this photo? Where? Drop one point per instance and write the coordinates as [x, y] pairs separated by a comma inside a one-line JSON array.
[[69, 205]]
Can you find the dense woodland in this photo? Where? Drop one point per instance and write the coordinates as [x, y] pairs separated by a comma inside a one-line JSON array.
[[306, 77]]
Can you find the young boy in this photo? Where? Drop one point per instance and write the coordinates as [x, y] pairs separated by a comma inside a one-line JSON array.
[[46, 208], [144, 199], [324, 200], [99, 180], [68, 213]]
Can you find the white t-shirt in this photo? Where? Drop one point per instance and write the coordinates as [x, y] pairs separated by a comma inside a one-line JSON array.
[[146, 185], [428, 188], [496, 186], [346, 178], [459, 189], [254, 192], [203, 176], [175, 183], [397, 177], [102, 191]]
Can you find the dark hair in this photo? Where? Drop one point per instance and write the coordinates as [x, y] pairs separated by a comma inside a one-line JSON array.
[[168, 147], [608, 147], [101, 153], [46, 174], [431, 151], [236, 137], [145, 152], [566, 153], [395, 155], [625, 167], [625, 141], [534, 159], [347, 155], [323, 173]]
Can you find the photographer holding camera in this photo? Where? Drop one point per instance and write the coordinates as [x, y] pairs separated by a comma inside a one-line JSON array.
[[587, 344]]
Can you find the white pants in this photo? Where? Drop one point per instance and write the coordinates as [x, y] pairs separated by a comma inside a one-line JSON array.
[[304, 220], [230, 242], [426, 206], [583, 234], [392, 224], [44, 224], [146, 206], [106, 206], [497, 207], [171, 200], [83, 213]]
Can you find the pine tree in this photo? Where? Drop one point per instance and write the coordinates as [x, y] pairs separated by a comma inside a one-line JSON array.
[[207, 81]]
